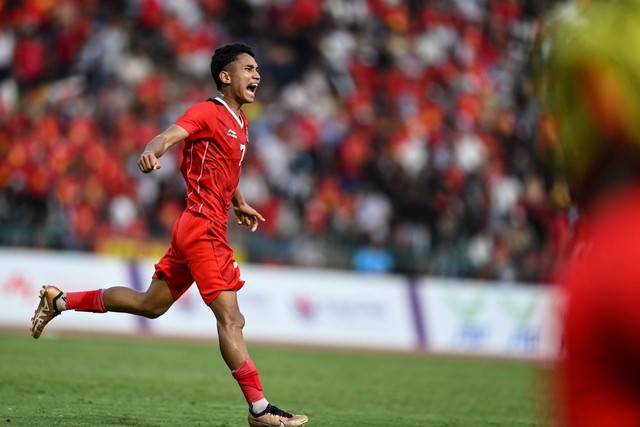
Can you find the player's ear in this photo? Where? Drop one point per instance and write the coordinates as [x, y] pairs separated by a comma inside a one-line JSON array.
[[225, 77]]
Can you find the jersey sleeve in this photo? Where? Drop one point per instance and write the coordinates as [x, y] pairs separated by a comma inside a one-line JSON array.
[[197, 120]]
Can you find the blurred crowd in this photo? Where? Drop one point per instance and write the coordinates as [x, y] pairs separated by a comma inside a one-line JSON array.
[[387, 135]]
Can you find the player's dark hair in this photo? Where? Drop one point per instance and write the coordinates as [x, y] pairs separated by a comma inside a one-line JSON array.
[[225, 55]]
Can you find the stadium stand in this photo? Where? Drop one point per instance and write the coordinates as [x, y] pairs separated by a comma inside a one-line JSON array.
[[388, 135]]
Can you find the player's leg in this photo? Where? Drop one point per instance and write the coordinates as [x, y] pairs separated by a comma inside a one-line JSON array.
[[152, 303], [230, 323], [210, 259], [170, 280]]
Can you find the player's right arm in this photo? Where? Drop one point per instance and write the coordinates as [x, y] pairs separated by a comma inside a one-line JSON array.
[[148, 161]]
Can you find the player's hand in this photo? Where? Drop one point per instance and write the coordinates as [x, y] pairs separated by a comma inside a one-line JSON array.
[[248, 216], [148, 162]]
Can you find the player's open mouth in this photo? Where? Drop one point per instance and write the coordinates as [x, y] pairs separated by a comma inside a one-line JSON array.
[[252, 87]]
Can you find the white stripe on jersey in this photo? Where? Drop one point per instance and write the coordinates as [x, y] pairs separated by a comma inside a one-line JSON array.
[[190, 165], [204, 156], [238, 119]]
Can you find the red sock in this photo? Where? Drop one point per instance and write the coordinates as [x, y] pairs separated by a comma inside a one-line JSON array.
[[247, 376], [86, 301]]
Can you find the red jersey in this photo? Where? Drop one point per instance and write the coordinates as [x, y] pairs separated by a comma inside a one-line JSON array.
[[212, 156], [600, 373]]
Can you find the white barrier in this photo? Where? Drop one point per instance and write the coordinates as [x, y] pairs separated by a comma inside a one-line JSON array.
[[280, 304], [306, 307], [23, 272], [302, 306], [488, 319]]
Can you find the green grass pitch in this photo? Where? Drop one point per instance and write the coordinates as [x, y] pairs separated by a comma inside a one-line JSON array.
[[99, 381]]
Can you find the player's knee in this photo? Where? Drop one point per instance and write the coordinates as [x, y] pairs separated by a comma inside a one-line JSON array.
[[153, 311], [232, 320], [152, 305]]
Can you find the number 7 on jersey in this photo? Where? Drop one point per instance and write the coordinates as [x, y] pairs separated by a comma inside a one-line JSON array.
[[243, 150]]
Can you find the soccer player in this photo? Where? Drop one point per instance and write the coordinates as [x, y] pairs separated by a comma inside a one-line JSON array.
[[593, 77], [215, 135]]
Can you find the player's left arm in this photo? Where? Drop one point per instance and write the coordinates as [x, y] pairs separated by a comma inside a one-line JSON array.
[[246, 214]]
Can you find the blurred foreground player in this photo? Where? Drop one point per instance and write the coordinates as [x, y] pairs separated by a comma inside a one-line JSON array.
[[593, 78], [215, 139]]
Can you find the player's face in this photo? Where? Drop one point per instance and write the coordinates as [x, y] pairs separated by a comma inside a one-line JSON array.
[[244, 78]]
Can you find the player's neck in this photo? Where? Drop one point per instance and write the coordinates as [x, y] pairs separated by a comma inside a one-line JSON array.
[[232, 103]]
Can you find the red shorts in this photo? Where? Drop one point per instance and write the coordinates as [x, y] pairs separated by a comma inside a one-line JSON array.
[[199, 253]]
